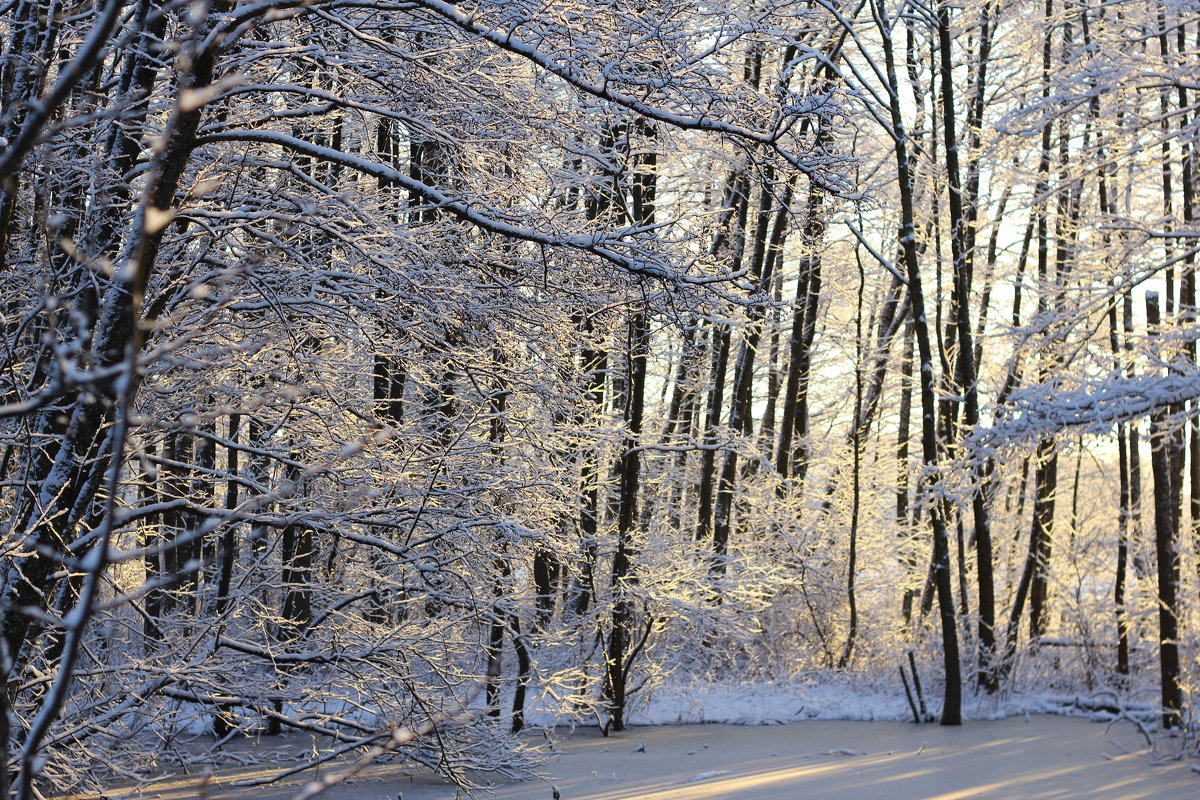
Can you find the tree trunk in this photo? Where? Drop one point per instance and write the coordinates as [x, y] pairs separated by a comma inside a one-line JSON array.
[[620, 652], [594, 365], [908, 530], [731, 234], [1046, 460], [856, 445], [740, 422], [229, 548], [961, 242], [952, 708], [1165, 538], [791, 460]]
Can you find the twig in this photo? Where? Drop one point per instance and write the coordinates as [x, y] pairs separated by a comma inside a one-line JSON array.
[[399, 736], [908, 694], [912, 663], [1124, 717]]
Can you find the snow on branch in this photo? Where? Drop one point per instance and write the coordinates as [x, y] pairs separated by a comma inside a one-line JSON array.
[[702, 113], [608, 246], [1048, 409]]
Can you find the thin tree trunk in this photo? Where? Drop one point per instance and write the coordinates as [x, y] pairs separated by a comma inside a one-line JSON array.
[[594, 365], [791, 460], [229, 549], [498, 401], [962, 224], [1124, 512], [149, 494], [907, 528], [766, 435], [1187, 293], [733, 232], [952, 708], [617, 658], [621, 650], [1165, 538], [1108, 211], [1046, 459], [856, 445], [740, 422], [524, 673]]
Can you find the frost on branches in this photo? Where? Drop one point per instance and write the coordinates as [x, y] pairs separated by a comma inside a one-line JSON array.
[[313, 342], [408, 373]]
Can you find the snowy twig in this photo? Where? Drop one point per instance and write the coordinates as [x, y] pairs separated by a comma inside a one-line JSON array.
[[399, 737]]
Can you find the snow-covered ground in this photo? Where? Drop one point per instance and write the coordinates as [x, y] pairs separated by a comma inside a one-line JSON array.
[[1035, 757], [839, 736], [836, 696], [1038, 758]]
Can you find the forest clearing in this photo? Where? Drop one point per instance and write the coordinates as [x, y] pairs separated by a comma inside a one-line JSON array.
[[439, 375]]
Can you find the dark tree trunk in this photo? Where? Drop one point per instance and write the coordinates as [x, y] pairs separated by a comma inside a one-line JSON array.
[[152, 562], [856, 448], [594, 365], [1045, 490], [524, 673], [683, 422], [766, 433], [908, 531], [952, 708], [732, 235], [229, 548], [618, 651], [1124, 512], [712, 424], [962, 236], [1162, 441], [621, 650], [1046, 460], [180, 558], [495, 650], [546, 571], [791, 460], [740, 421], [297, 549], [1106, 178]]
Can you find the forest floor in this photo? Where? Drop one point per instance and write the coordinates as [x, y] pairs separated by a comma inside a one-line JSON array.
[[1037, 757]]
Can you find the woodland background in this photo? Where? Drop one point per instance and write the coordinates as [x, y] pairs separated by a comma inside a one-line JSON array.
[[367, 362]]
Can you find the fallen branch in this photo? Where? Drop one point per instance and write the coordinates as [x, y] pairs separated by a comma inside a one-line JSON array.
[[1141, 726], [399, 737]]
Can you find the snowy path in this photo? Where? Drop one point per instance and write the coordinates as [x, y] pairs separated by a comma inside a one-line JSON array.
[[1045, 758]]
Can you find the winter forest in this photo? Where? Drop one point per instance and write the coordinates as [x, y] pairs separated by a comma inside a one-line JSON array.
[[384, 368]]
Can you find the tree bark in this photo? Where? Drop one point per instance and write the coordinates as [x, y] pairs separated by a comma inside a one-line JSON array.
[[1165, 548], [952, 707]]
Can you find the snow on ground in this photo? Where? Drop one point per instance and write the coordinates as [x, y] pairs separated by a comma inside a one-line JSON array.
[[769, 704], [1020, 758], [833, 737], [826, 696], [1040, 759]]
